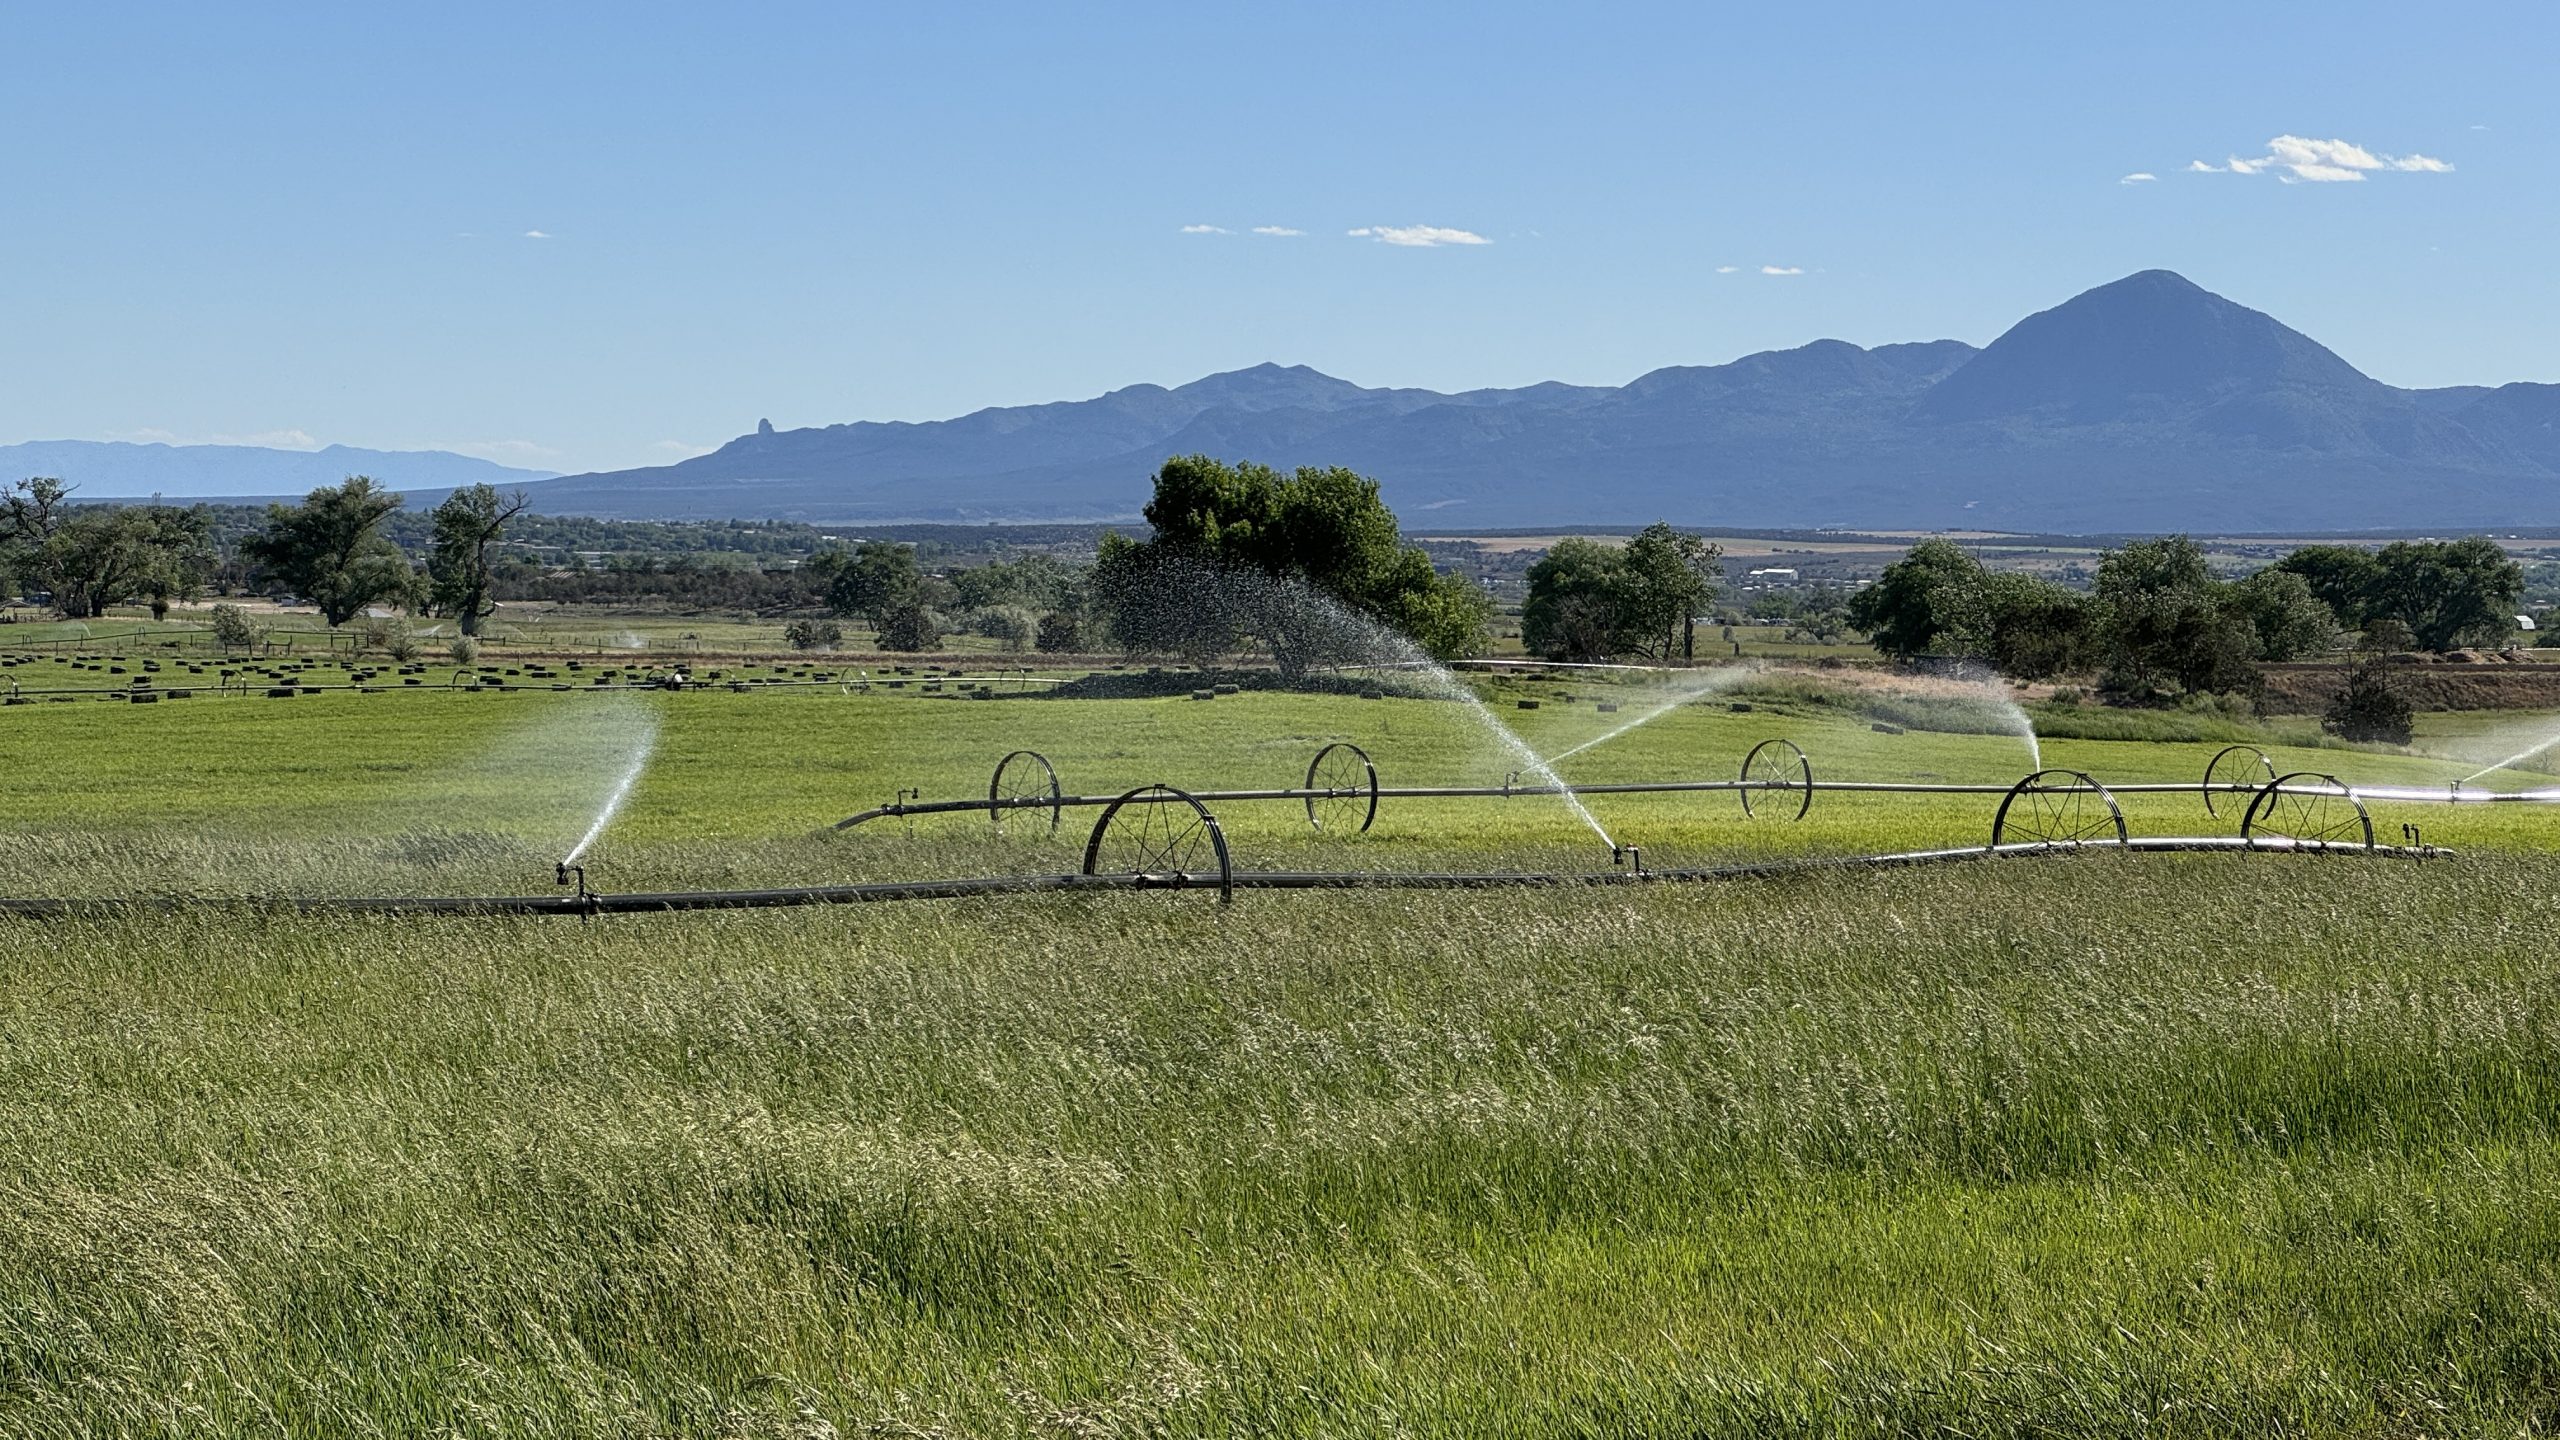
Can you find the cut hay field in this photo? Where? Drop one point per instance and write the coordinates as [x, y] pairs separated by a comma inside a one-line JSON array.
[[2097, 1145]]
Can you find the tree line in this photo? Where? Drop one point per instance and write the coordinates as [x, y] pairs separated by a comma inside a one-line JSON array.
[[2159, 623], [1309, 565]]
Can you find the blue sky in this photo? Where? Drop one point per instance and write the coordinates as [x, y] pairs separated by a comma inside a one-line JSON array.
[[590, 236]]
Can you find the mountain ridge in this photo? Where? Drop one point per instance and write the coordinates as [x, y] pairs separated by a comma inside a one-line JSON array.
[[138, 469], [2146, 403]]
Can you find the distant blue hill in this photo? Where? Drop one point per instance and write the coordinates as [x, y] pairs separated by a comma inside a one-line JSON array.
[[2145, 404], [122, 470]]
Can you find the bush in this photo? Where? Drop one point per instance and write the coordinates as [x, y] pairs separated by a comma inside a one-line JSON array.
[[1011, 626], [2368, 707], [813, 634], [464, 650], [1060, 632], [391, 637], [911, 627], [231, 628]]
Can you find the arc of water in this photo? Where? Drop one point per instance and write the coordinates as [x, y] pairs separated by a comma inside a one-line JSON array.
[[621, 792]]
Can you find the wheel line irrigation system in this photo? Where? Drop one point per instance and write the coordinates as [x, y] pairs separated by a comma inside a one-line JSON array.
[[1159, 837]]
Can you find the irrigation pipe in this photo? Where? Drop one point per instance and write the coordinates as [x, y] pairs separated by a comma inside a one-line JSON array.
[[586, 904], [898, 809]]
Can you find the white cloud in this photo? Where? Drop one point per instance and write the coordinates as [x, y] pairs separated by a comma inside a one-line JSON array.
[[682, 449], [1727, 269], [2138, 177], [1276, 230], [1781, 269], [1418, 236], [2297, 160], [537, 234], [1206, 230]]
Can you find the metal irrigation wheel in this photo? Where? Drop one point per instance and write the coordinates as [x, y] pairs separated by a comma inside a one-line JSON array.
[[2309, 811], [1342, 789], [1161, 836], [1024, 780], [2235, 770], [1778, 765], [2063, 808]]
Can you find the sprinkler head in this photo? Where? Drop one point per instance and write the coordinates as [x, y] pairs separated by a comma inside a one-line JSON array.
[[1631, 856]]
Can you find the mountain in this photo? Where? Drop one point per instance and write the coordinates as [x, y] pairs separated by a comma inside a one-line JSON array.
[[2145, 404], [117, 469]]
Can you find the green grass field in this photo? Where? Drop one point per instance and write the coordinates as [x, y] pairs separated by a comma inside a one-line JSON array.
[[2087, 1146]]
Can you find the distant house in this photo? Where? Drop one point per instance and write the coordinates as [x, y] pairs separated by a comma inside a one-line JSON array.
[[1773, 573]]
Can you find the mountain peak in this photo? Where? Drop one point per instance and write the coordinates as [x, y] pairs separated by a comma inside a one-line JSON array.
[[1271, 386], [2149, 345]]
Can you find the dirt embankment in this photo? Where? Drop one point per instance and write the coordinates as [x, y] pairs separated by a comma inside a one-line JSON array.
[[2463, 680]]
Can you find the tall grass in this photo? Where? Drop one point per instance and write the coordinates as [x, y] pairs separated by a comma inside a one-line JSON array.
[[2168, 1146]]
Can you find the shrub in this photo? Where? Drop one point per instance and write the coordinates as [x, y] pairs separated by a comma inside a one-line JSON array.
[[464, 650], [1060, 632], [390, 636], [2368, 707], [911, 627], [813, 634], [231, 628], [1011, 626]]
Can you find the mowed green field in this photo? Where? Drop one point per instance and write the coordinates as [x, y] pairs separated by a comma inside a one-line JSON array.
[[2087, 1146]]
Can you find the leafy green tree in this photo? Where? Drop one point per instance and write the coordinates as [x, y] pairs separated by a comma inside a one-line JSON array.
[[2288, 616], [470, 520], [93, 556], [1670, 580], [2166, 620], [877, 578], [2028, 627], [1034, 581], [2449, 593], [1300, 562], [813, 634], [1589, 600], [231, 628], [910, 627], [1060, 632], [1011, 626], [2342, 576], [1930, 596], [331, 549], [1571, 611], [30, 511]]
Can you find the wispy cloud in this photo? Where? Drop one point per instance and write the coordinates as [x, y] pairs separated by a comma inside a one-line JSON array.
[[2138, 177], [1781, 269], [1728, 269], [1206, 230], [537, 234], [2297, 160], [1421, 237], [682, 449], [1276, 230]]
